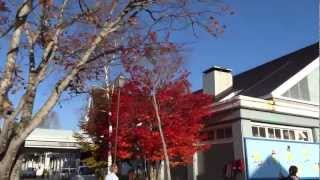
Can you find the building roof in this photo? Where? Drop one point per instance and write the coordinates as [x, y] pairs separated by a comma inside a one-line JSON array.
[[59, 135], [262, 80], [57, 139]]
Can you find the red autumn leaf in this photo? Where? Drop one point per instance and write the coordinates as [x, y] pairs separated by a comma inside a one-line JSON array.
[[182, 115]]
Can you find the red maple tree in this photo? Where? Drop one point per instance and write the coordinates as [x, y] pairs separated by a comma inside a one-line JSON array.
[[160, 118], [182, 114]]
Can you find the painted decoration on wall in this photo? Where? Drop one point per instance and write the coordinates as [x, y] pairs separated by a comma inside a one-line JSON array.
[[269, 159]]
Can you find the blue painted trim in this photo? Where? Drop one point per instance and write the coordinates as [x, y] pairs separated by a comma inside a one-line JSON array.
[[265, 139]]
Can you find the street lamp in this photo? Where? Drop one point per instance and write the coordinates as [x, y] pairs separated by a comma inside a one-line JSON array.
[[120, 81]]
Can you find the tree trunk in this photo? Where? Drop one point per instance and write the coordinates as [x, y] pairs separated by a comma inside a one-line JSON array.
[[15, 172], [154, 170], [9, 159], [158, 170], [164, 145], [152, 173]]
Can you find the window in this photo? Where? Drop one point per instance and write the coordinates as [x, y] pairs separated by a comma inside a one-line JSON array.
[[262, 132], [285, 134], [228, 132], [271, 132], [277, 133], [281, 132], [255, 132], [292, 135], [303, 136], [211, 135], [220, 133], [300, 136], [258, 132]]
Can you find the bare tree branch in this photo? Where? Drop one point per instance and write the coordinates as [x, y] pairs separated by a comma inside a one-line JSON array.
[[72, 39], [107, 28], [7, 78], [21, 16]]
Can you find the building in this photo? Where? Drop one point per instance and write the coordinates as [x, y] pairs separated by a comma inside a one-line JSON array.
[[51, 150], [265, 119]]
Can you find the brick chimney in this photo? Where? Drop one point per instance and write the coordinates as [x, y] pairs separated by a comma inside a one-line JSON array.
[[217, 81]]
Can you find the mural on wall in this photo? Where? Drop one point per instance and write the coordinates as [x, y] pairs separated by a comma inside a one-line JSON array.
[[271, 159]]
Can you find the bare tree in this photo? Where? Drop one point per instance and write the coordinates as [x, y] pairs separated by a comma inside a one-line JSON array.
[[63, 46]]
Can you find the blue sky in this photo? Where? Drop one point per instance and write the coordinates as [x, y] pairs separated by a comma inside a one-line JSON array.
[[259, 31]]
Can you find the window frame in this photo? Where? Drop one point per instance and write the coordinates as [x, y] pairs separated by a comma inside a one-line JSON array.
[[214, 130], [297, 131]]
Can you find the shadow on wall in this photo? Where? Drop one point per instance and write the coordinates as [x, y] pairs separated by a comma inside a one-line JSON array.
[[211, 163], [270, 169]]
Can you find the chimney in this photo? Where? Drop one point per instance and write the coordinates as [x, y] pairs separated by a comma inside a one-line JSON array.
[[217, 81]]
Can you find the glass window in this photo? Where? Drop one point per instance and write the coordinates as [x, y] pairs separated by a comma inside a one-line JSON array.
[[300, 136], [211, 135], [277, 133], [271, 132], [305, 136], [262, 131], [292, 135], [255, 132], [228, 132], [220, 133], [285, 134]]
